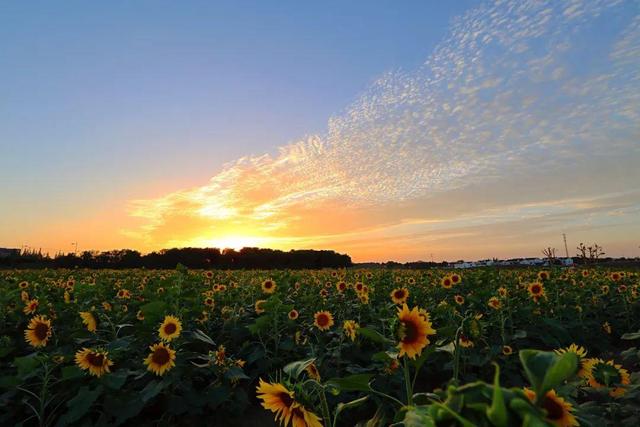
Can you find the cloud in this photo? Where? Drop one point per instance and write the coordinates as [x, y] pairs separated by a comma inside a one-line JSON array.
[[505, 102]]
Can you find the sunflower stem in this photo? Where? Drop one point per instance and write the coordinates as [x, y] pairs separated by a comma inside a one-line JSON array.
[[456, 365], [407, 382], [325, 406]]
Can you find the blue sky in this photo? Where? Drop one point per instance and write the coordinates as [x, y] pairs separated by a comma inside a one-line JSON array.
[[113, 114], [91, 89]]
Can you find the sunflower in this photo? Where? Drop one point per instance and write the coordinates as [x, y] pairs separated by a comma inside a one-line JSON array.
[[507, 350], [359, 286], [161, 359], [495, 303], [459, 299], [140, 315], [208, 301], [323, 320], [606, 327], [399, 296], [293, 314], [301, 417], [31, 306], [465, 342], [312, 371], [300, 338], [413, 331], [89, 320], [579, 351], [502, 291], [341, 286], [559, 412], [170, 328], [604, 289], [536, 291], [543, 275], [96, 362], [259, 306], [277, 399], [446, 282], [124, 294], [268, 286], [106, 306], [615, 276], [23, 285], [599, 373], [38, 331], [24, 296], [455, 278], [350, 328]]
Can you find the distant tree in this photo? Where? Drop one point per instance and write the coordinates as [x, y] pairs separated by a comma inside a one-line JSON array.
[[550, 254]]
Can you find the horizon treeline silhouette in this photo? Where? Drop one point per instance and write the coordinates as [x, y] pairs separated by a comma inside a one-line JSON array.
[[214, 258]]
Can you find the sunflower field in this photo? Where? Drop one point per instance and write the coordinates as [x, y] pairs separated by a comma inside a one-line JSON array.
[[380, 347]]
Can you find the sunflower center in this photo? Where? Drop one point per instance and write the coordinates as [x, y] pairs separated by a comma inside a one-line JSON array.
[[323, 319], [286, 399], [160, 356], [399, 294], [535, 289], [409, 331], [555, 411], [170, 328], [41, 331], [95, 359]]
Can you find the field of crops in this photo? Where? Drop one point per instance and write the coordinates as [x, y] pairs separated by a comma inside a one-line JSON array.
[[320, 348]]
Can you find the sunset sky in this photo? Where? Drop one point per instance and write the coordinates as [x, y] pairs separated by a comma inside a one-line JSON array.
[[386, 130]]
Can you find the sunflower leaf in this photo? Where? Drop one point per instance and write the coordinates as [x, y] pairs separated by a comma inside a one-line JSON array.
[[357, 382], [294, 369], [198, 334], [497, 412]]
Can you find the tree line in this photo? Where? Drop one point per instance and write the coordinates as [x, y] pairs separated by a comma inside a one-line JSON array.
[[213, 258]]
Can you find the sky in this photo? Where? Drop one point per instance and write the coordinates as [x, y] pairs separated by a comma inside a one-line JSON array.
[[387, 130]]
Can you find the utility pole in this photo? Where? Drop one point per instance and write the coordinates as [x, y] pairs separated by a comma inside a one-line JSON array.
[[566, 248], [75, 244]]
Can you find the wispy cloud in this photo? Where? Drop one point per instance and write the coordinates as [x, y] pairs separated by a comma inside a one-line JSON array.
[[516, 123]]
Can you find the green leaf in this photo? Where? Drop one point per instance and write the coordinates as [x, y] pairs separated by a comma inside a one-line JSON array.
[[261, 324], [235, 373], [373, 335], [198, 334], [497, 412], [80, 405], [546, 370], [631, 336], [418, 417], [151, 390], [115, 380], [358, 382], [9, 381], [564, 367], [294, 369], [153, 311], [71, 372], [26, 364]]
